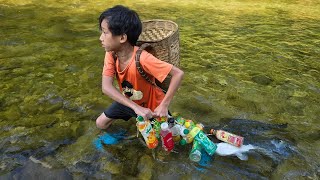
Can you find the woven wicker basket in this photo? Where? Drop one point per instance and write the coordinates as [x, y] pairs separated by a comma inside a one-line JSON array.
[[163, 36]]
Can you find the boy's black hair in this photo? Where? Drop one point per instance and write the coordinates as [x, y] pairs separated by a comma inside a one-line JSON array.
[[122, 20]]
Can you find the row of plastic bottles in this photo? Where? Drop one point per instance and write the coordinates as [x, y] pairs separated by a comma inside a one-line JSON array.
[[198, 137], [182, 131]]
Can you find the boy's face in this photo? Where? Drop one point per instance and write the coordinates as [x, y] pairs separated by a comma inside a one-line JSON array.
[[108, 41]]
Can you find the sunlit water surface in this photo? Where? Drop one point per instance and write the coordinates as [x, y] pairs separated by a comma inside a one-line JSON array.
[[250, 67]]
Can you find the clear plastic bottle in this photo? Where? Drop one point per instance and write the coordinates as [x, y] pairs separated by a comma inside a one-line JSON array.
[[147, 132], [166, 137], [195, 153], [176, 133], [228, 137]]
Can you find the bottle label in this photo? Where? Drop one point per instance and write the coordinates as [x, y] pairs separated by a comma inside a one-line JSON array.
[[230, 138], [194, 132], [167, 142], [161, 119], [180, 120], [157, 128], [148, 134], [152, 140], [206, 143]]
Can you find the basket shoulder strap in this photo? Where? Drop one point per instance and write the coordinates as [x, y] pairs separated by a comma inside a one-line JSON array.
[[115, 57], [138, 65]]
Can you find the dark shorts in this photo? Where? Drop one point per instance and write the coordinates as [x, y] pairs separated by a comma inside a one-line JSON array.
[[119, 111]]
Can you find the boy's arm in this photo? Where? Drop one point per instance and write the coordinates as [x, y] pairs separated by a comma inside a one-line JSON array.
[[109, 90], [162, 109]]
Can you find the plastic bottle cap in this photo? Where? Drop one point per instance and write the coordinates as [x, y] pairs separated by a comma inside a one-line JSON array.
[[170, 120], [164, 126], [187, 124], [140, 118], [200, 125], [183, 142], [186, 131]]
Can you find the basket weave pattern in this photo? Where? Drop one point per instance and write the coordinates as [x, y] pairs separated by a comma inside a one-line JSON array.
[[163, 36]]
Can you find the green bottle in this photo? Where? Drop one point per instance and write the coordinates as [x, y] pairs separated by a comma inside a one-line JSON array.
[[195, 154], [180, 120], [206, 143], [157, 128]]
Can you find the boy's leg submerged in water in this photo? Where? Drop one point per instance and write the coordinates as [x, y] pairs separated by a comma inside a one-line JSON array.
[[103, 122], [114, 111]]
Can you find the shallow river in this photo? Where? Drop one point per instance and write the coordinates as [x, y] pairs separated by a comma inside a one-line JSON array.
[[251, 68]]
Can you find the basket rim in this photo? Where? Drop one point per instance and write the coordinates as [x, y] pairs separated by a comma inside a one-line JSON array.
[[159, 20]]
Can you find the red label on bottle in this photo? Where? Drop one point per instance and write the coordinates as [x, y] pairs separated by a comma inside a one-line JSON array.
[[167, 142]]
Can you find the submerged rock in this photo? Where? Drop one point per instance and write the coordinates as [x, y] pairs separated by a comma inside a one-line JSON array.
[[262, 79], [33, 170], [145, 167]]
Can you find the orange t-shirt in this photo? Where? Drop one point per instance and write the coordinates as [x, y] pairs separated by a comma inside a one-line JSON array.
[[132, 84]]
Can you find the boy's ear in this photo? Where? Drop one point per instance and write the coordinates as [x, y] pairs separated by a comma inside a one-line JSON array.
[[123, 38]]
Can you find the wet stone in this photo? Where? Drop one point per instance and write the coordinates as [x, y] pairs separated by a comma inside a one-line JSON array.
[[54, 107], [112, 167], [33, 170], [13, 113], [145, 167], [262, 79]]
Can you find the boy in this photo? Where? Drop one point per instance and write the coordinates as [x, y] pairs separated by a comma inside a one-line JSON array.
[[120, 28]]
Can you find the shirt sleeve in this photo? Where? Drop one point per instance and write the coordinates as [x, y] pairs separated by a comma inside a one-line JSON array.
[[154, 66], [109, 68]]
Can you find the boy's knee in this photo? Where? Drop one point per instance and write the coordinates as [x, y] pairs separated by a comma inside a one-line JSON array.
[[99, 123], [103, 122]]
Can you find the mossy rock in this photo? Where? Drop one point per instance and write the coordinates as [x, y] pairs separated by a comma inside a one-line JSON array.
[[145, 167], [112, 167], [262, 79], [13, 113]]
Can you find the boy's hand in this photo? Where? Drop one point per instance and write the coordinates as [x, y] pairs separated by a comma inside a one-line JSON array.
[[161, 111], [146, 113]]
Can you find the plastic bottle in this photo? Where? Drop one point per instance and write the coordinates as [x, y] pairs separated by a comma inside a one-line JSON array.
[[180, 120], [170, 122], [157, 128], [194, 131], [189, 124], [228, 137], [195, 153], [206, 143], [166, 137], [183, 133], [161, 119], [183, 130], [176, 133], [147, 132]]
